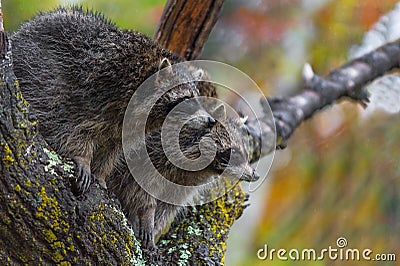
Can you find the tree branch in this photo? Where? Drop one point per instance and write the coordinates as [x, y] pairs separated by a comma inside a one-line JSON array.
[[185, 25], [347, 81]]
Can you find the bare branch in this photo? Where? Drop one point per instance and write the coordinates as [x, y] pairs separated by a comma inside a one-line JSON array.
[[348, 81]]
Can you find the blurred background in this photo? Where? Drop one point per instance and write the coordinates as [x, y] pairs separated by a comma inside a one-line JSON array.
[[340, 175]]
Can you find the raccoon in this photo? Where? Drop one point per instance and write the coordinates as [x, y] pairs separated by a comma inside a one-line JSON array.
[[143, 196], [79, 71]]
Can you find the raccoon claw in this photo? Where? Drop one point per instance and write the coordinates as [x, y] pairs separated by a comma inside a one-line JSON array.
[[147, 240], [83, 180]]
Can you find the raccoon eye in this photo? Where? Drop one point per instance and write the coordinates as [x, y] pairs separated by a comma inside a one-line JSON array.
[[237, 153], [225, 155]]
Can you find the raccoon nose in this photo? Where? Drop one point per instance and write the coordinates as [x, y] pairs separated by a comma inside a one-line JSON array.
[[211, 120]]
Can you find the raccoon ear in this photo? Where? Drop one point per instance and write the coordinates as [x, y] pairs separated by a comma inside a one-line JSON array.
[[163, 77], [165, 63], [219, 112], [243, 119]]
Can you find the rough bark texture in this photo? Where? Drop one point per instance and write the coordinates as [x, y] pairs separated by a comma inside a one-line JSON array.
[[185, 26]]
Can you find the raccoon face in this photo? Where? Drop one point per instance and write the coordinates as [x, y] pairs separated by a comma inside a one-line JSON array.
[[231, 158], [181, 102]]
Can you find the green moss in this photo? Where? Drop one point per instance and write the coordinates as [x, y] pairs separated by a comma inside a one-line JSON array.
[[171, 250], [184, 254]]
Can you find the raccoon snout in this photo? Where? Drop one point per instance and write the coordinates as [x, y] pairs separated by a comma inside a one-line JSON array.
[[211, 120]]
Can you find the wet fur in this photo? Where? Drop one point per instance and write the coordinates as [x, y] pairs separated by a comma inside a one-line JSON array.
[[79, 71], [150, 216]]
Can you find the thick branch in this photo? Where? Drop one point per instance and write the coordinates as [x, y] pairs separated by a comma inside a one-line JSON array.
[[185, 25], [348, 81]]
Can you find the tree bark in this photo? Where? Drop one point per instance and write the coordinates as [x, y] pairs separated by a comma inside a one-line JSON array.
[[185, 26]]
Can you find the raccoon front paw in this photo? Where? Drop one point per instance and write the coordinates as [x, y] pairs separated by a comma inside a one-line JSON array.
[[83, 179], [147, 239]]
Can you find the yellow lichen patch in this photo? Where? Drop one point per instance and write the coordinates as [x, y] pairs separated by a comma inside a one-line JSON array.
[[5, 219], [127, 247], [57, 257], [16, 83], [58, 245], [49, 236], [49, 211], [19, 96], [113, 240], [51, 203], [23, 258], [17, 188], [7, 154], [98, 216]]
